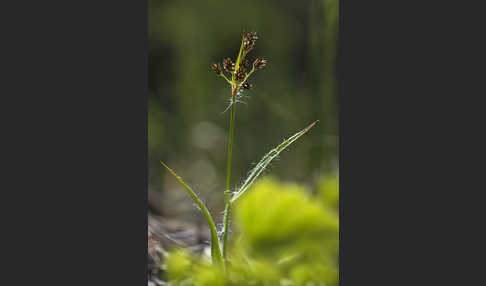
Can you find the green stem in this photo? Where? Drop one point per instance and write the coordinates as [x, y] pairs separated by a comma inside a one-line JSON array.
[[228, 181], [247, 76], [227, 194], [238, 60], [227, 80]]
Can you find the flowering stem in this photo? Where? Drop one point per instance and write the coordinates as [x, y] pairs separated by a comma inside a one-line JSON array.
[[227, 193], [247, 76], [227, 80], [228, 181]]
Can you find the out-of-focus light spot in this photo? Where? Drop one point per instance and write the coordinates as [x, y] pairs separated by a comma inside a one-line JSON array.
[[202, 172], [206, 134]]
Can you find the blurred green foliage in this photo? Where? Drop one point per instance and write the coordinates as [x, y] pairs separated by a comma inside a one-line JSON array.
[[329, 191], [280, 216], [284, 236], [187, 128]]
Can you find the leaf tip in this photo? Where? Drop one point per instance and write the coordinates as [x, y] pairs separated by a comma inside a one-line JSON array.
[[310, 126]]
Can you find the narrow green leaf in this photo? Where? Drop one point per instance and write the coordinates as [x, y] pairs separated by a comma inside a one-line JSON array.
[[260, 167], [215, 248]]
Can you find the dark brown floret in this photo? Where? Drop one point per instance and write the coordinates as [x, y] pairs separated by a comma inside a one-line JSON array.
[[252, 36], [228, 65], [240, 75], [247, 85], [249, 41], [217, 68], [259, 63], [244, 64]]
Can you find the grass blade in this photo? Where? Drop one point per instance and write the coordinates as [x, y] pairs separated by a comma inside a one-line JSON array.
[[215, 248], [260, 167]]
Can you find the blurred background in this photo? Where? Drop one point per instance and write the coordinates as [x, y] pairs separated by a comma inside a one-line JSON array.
[[187, 126]]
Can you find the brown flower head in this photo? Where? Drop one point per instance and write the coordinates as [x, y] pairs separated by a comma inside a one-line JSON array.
[[240, 75], [217, 68], [251, 36], [249, 41], [259, 63], [244, 64], [228, 65], [247, 85]]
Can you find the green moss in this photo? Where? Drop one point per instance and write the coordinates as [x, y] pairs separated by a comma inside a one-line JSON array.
[[304, 274], [284, 237], [209, 275], [179, 264], [328, 191], [276, 218]]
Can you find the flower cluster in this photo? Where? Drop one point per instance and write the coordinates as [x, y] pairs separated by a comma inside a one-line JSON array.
[[249, 40], [238, 71]]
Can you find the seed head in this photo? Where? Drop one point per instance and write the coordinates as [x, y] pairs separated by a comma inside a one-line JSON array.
[[240, 75], [259, 63], [228, 65], [244, 64], [252, 36], [217, 68], [249, 41], [247, 85]]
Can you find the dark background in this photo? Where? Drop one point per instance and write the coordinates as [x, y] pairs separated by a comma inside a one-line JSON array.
[[186, 124]]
